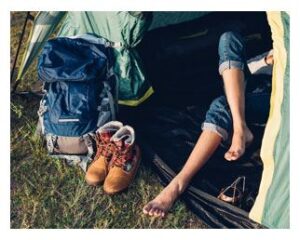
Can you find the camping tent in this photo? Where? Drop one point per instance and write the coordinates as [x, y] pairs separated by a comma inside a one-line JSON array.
[[126, 31]]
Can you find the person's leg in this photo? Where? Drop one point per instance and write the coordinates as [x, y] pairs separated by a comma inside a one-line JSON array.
[[204, 148], [217, 127], [234, 89], [231, 66], [218, 120]]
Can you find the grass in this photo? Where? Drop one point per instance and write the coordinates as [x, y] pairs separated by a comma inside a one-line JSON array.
[[47, 193]]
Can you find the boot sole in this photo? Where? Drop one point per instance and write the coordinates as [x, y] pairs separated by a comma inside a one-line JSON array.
[[94, 184], [115, 193]]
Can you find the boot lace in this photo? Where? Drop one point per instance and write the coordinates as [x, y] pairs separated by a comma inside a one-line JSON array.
[[121, 158], [104, 149]]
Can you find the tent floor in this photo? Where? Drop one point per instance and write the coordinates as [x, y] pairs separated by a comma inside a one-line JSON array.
[[167, 136], [172, 132]]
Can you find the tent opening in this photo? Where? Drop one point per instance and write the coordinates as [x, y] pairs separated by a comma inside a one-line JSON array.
[[181, 61]]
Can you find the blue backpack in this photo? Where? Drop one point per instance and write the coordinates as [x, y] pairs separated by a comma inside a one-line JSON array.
[[78, 84]]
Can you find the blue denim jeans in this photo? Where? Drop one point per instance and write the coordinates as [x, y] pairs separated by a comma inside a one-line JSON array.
[[218, 118], [231, 51]]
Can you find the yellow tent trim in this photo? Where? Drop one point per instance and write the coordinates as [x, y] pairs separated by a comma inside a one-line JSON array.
[[273, 124], [134, 103]]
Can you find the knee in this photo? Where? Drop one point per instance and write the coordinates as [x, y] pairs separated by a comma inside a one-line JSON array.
[[219, 104], [228, 36], [230, 39], [219, 110], [219, 116]]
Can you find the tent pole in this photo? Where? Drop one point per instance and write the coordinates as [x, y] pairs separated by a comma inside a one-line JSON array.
[[38, 94], [28, 16]]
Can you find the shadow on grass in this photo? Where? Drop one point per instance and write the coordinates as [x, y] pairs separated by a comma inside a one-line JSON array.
[[47, 193]]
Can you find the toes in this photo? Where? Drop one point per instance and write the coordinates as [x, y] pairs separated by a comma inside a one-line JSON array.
[[162, 213], [151, 212], [147, 208], [228, 155], [237, 154], [233, 155], [157, 212]]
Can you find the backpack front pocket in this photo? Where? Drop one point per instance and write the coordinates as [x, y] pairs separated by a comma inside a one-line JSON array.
[[72, 102]]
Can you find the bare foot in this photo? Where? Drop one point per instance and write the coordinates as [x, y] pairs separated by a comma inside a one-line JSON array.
[[239, 142], [160, 205]]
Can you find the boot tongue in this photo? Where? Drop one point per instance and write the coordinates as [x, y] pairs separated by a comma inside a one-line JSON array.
[[106, 135], [121, 143], [125, 148]]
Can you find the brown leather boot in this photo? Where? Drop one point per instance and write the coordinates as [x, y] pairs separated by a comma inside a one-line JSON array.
[[124, 163], [98, 169]]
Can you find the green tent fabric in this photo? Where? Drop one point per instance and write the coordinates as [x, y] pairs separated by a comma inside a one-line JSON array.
[[272, 206], [163, 19], [123, 29], [44, 25]]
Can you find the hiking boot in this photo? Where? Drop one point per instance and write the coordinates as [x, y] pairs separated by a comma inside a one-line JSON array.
[[124, 163], [98, 169]]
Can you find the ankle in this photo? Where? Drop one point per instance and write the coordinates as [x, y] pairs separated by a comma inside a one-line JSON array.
[[239, 128], [180, 184]]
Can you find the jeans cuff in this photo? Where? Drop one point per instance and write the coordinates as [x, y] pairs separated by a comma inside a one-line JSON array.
[[216, 129], [230, 64]]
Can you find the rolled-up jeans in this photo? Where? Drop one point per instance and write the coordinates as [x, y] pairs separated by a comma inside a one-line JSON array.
[[231, 52], [219, 118]]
